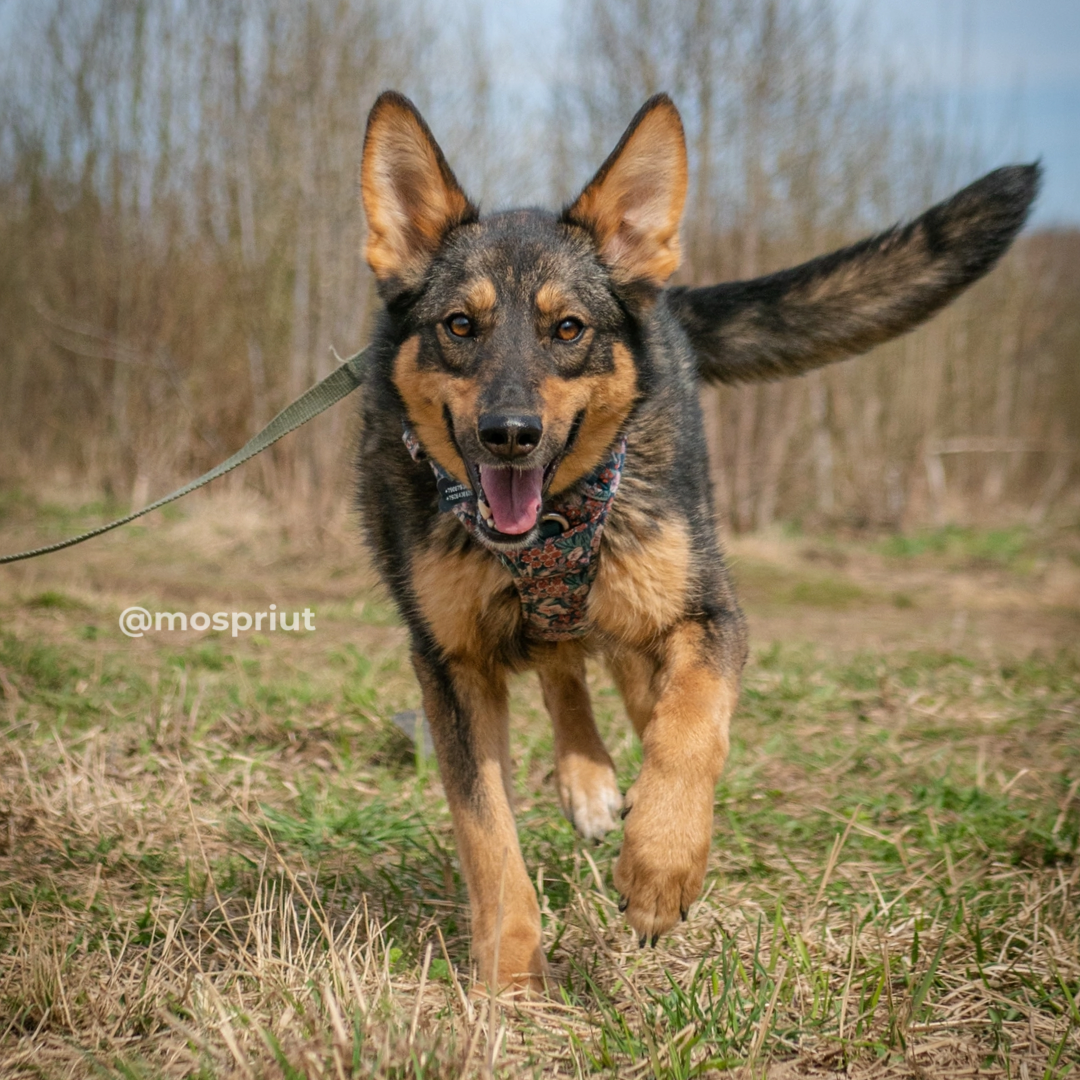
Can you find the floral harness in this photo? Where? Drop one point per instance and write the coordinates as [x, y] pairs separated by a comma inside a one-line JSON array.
[[552, 575]]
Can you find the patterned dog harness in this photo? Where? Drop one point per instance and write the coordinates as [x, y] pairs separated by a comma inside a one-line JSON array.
[[553, 574]]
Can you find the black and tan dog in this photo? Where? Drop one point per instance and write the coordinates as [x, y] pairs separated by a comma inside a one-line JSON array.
[[527, 367]]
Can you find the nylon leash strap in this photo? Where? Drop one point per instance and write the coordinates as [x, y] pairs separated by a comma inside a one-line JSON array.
[[319, 398]]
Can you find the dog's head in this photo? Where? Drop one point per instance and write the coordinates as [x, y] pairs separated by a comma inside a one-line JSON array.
[[516, 369]]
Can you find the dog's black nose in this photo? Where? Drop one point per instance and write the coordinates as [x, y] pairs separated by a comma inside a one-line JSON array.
[[511, 436]]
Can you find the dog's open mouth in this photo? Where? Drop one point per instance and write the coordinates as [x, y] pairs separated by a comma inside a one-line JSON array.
[[510, 499]]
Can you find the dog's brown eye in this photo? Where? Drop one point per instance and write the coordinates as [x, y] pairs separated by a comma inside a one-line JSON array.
[[459, 325], [569, 330]]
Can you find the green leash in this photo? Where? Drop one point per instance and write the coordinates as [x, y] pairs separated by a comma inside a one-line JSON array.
[[319, 398]]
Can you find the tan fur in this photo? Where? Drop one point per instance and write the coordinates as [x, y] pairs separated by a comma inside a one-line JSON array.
[[467, 598], [640, 588], [635, 674], [410, 195], [606, 399], [509, 954], [634, 205], [424, 393], [552, 303], [584, 772], [505, 912], [480, 298], [670, 806]]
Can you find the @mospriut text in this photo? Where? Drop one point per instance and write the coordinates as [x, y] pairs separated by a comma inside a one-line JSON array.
[[138, 621]]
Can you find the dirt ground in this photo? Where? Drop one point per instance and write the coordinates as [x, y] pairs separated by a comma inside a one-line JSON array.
[[957, 602]]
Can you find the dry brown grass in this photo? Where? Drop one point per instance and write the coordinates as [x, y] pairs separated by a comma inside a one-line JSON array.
[[220, 859]]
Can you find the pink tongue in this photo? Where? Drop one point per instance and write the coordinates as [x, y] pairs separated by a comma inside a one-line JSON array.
[[514, 496]]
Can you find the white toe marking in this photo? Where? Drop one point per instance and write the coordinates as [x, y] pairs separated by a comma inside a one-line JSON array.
[[594, 813]]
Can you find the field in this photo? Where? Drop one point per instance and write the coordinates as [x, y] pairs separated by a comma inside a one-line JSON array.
[[219, 857]]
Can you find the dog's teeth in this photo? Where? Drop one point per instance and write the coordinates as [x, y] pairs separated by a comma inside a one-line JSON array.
[[485, 511]]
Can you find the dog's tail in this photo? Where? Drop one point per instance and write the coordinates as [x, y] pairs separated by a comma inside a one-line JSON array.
[[842, 304]]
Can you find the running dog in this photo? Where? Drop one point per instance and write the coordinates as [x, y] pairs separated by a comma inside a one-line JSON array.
[[534, 485]]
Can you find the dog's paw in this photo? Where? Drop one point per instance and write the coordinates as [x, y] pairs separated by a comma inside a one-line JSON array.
[[522, 967], [531, 979], [589, 795], [665, 851]]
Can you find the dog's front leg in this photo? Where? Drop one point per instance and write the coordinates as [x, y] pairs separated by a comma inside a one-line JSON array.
[[669, 808], [467, 708], [588, 791]]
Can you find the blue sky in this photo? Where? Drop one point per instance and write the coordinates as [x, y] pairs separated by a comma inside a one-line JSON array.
[[1015, 62], [1020, 62]]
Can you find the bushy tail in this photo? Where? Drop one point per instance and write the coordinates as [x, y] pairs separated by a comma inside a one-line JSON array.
[[842, 304]]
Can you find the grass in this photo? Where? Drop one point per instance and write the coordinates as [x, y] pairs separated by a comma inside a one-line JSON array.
[[786, 586], [964, 546], [219, 858]]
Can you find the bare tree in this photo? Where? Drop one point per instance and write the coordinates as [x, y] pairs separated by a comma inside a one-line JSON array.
[[800, 141], [180, 238]]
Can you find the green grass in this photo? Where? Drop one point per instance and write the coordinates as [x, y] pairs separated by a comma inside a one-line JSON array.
[[782, 586], [218, 857], [964, 546]]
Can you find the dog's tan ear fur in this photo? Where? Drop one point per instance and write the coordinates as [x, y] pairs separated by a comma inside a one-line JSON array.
[[633, 205], [411, 196]]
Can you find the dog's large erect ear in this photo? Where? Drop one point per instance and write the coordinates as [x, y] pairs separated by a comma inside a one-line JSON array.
[[411, 197], [633, 205]]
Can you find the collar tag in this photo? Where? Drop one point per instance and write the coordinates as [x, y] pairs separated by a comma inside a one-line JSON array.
[[451, 492]]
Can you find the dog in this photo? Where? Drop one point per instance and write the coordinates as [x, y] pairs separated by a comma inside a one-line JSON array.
[[534, 487]]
